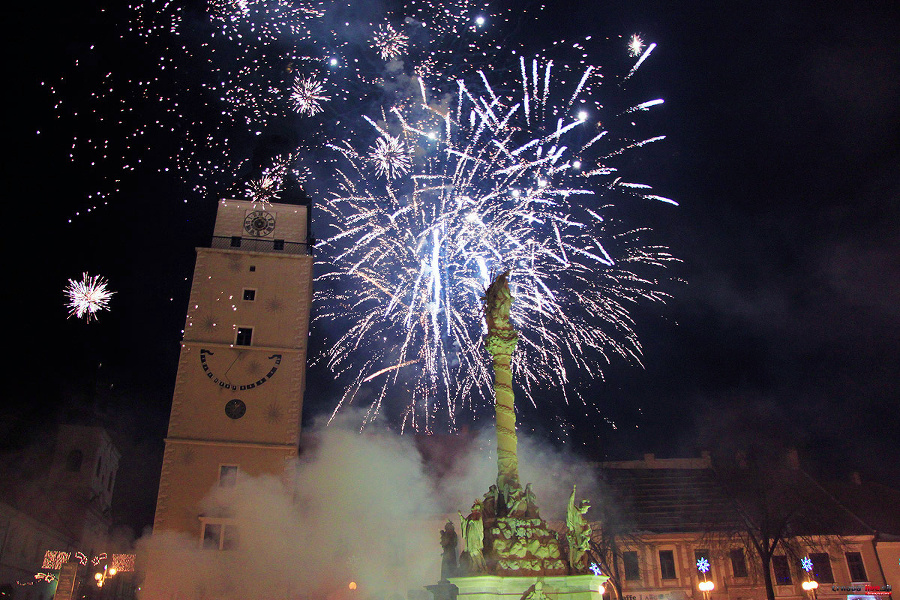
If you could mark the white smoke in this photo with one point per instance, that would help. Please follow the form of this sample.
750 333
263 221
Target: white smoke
363 508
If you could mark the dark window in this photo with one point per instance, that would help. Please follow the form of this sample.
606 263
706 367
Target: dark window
856 566
212 533
235 241
667 564
738 562
228 475
229 537
821 567
632 567
250 295
252 268
244 336
781 569
278 245
99 464
73 461
109 487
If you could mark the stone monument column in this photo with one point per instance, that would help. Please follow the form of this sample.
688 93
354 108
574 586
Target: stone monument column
500 343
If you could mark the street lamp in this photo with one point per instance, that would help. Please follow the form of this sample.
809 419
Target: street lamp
705 586
102 576
810 585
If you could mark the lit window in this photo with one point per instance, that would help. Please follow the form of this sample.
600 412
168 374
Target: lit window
244 336
856 567
667 564
781 569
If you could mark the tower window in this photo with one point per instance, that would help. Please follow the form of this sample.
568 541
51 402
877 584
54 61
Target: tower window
99 465
252 268
667 564
235 241
228 476
244 336
249 295
278 245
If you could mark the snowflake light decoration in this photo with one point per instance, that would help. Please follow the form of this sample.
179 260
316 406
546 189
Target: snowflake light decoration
87 296
595 569
703 565
806 563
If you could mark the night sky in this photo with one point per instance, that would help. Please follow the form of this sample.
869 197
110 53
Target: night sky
783 148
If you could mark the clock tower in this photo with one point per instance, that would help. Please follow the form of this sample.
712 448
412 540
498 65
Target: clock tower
241 376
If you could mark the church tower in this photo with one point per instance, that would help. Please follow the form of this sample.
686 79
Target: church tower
241 376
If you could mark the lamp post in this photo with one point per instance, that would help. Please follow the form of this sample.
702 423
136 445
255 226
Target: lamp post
705 586
810 585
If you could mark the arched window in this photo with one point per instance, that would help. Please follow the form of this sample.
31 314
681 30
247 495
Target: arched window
73 461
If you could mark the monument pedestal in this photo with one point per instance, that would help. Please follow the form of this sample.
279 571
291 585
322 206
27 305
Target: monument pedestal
563 587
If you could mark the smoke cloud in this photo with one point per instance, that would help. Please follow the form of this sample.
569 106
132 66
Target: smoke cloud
362 508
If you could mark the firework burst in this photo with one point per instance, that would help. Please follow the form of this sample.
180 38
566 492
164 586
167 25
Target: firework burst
389 42
495 182
87 297
307 95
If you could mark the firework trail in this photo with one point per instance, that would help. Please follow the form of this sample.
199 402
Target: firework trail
454 191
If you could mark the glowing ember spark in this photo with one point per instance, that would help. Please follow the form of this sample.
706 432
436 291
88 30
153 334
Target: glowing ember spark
88 296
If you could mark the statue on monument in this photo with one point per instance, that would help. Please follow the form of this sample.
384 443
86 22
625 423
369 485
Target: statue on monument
472 529
578 532
449 551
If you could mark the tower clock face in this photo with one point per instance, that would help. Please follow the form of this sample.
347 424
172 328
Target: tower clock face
235 409
259 223
238 370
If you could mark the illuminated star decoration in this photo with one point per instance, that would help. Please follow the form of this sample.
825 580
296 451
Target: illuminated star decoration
703 565
87 296
595 569
806 563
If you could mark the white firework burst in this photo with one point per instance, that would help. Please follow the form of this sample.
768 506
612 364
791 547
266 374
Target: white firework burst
87 296
635 45
389 42
390 157
307 95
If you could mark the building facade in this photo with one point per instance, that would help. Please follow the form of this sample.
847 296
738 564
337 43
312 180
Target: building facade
673 540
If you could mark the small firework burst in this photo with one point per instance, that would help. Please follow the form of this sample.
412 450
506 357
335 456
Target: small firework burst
88 296
635 45
265 189
307 95
389 42
390 157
